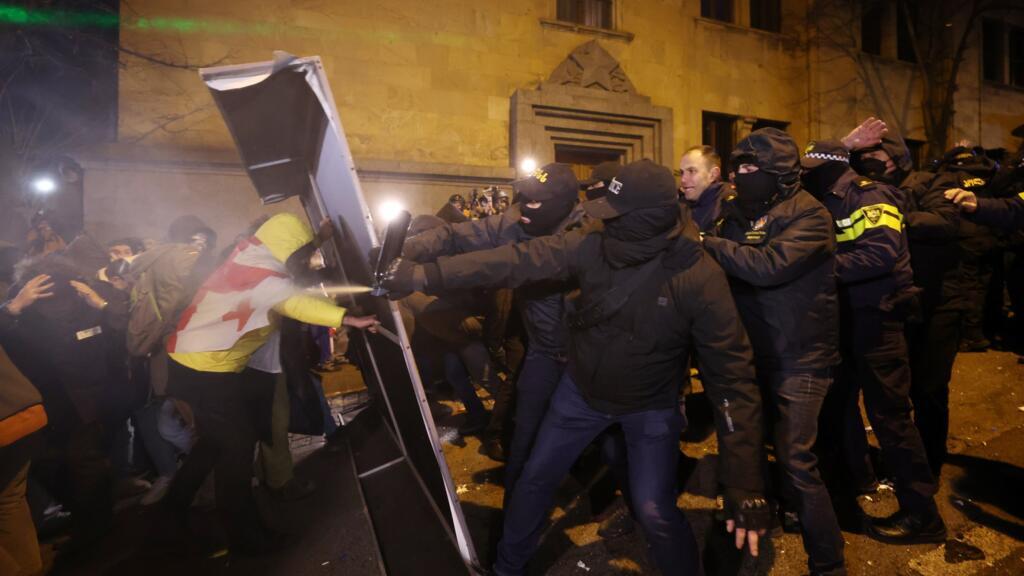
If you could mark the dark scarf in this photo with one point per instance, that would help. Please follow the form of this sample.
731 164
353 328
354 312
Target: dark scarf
638 236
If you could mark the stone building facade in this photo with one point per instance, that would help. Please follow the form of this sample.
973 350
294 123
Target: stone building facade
450 95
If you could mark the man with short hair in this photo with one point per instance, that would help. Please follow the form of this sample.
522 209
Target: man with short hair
125 248
701 185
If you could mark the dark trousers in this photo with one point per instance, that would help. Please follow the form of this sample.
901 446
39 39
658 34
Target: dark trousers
796 402
227 439
652 444
457 376
537 382
76 470
875 358
933 347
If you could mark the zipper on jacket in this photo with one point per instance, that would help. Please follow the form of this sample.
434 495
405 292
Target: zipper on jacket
728 418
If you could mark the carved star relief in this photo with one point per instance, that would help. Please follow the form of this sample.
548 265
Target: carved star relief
595 69
591 66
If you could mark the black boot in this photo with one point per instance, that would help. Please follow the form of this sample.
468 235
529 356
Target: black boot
908 528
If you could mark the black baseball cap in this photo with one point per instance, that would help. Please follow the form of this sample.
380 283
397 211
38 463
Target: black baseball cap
602 174
819 152
550 182
640 184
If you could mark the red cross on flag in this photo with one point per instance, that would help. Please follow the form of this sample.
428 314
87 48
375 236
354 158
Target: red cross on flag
234 300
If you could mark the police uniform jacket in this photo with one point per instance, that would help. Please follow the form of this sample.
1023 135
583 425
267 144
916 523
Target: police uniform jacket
1004 214
638 358
541 303
872 258
781 270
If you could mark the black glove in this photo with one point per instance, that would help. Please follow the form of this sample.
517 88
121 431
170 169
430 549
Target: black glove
404 277
748 509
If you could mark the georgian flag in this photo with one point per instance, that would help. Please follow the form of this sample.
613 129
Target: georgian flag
235 299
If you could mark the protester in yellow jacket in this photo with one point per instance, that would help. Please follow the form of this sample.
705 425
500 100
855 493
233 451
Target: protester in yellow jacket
230 317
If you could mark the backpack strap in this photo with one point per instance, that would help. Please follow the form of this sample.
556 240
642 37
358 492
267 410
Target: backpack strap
612 300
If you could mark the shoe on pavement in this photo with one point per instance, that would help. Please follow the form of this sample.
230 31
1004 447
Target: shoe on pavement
157 491
908 528
474 425
493 449
618 524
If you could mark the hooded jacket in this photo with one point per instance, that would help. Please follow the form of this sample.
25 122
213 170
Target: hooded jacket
782 273
281 235
541 303
638 358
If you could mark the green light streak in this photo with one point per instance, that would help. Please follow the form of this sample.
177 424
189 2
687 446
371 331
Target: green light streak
19 16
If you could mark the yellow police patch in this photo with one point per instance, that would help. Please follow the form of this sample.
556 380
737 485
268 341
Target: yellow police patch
873 214
973 182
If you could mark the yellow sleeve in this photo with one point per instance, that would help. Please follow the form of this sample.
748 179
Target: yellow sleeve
312 310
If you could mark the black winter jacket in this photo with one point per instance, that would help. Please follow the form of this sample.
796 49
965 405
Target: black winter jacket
707 210
933 228
781 270
1004 214
637 358
541 303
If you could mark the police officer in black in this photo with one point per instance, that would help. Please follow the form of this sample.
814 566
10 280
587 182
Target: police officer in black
777 246
933 232
875 289
1001 213
647 292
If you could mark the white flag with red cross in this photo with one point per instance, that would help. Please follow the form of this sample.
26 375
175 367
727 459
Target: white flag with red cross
235 299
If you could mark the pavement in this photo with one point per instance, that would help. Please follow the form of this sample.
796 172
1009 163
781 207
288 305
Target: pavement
980 500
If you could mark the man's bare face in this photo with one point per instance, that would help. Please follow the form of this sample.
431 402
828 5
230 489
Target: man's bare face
882 155
695 175
120 252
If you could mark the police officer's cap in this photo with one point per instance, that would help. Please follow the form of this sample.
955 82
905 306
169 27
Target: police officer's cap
819 152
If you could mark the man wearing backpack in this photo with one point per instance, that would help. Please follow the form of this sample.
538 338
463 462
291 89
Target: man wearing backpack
648 291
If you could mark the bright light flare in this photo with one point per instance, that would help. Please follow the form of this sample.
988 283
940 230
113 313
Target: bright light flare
389 210
528 165
44 185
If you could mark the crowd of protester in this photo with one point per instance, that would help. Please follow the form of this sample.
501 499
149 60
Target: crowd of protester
132 370
795 283
800 281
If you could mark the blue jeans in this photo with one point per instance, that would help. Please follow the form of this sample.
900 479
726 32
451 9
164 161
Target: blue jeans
796 401
652 445
536 383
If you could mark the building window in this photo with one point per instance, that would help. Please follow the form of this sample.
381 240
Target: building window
717 9
1016 56
871 19
904 44
993 53
765 123
916 148
593 13
766 15
719 132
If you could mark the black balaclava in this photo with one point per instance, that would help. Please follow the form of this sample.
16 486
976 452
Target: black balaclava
818 180
545 219
639 235
874 169
755 192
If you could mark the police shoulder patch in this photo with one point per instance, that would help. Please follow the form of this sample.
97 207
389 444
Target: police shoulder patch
873 214
865 183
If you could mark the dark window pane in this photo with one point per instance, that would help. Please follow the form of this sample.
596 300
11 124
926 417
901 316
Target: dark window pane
719 132
904 45
916 148
765 123
993 54
766 15
1017 56
871 19
595 13
717 9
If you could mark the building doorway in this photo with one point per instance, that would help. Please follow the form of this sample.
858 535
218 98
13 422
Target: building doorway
583 158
